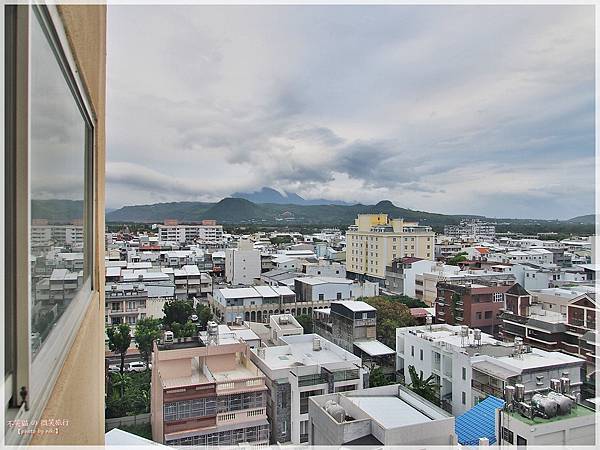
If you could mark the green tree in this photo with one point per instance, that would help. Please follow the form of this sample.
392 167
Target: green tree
409 301
119 339
426 388
306 322
177 311
147 330
459 257
204 315
391 314
377 378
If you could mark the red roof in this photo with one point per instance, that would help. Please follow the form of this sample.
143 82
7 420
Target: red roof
418 312
410 259
483 250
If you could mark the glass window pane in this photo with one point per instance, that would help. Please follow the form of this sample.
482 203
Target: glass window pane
57 160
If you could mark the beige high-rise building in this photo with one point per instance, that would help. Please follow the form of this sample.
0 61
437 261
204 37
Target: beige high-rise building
375 240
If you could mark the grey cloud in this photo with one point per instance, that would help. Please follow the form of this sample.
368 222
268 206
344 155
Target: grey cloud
361 103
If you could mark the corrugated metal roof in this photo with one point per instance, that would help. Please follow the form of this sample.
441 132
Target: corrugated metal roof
478 422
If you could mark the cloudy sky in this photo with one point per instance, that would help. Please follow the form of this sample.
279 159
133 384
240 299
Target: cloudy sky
485 110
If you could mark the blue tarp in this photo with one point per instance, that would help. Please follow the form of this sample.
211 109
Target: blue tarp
478 422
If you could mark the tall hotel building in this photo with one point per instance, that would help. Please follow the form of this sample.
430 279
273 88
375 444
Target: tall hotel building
375 240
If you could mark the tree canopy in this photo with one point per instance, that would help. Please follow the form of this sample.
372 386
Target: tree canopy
306 322
147 330
391 314
426 388
177 311
119 339
459 257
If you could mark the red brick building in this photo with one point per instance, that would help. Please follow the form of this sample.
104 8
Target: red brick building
476 305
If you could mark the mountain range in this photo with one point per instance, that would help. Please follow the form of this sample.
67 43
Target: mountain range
239 211
270 195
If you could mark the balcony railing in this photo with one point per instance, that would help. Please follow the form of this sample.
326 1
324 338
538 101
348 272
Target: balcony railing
241 384
310 380
345 375
486 388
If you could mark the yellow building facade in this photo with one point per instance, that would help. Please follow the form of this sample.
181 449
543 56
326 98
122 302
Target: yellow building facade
375 240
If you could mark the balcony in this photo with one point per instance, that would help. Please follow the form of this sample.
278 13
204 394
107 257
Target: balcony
247 384
311 380
487 389
240 416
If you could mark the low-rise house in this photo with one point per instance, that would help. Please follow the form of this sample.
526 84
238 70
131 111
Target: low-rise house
207 392
469 365
303 366
378 417
254 304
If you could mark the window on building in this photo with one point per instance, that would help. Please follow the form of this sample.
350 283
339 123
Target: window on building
488 314
48 160
464 398
464 373
338 295
507 435
412 350
521 441
421 354
321 296
478 315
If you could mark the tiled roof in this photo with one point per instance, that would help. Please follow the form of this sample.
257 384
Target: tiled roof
478 422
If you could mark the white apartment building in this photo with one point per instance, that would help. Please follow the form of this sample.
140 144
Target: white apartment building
253 304
471 229
375 240
190 282
59 234
304 366
208 236
242 265
313 289
125 303
324 269
533 255
469 365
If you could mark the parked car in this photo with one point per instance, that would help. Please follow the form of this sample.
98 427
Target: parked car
136 366
114 368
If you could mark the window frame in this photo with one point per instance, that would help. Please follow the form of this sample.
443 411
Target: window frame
50 359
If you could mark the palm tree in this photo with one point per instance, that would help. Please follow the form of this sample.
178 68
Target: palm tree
426 388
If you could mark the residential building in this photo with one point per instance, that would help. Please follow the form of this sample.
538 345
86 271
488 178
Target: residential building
283 325
323 289
207 235
352 325
71 235
569 326
551 419
375 240
303 366
378 417
469 365
125 303
242 265
400 276
207 392
533 255
346 323
324 268
471 229
254 303
473 304
190 283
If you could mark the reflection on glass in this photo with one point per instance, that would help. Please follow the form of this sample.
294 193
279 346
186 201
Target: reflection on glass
57 188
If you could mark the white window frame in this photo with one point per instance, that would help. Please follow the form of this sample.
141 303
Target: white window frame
57 345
